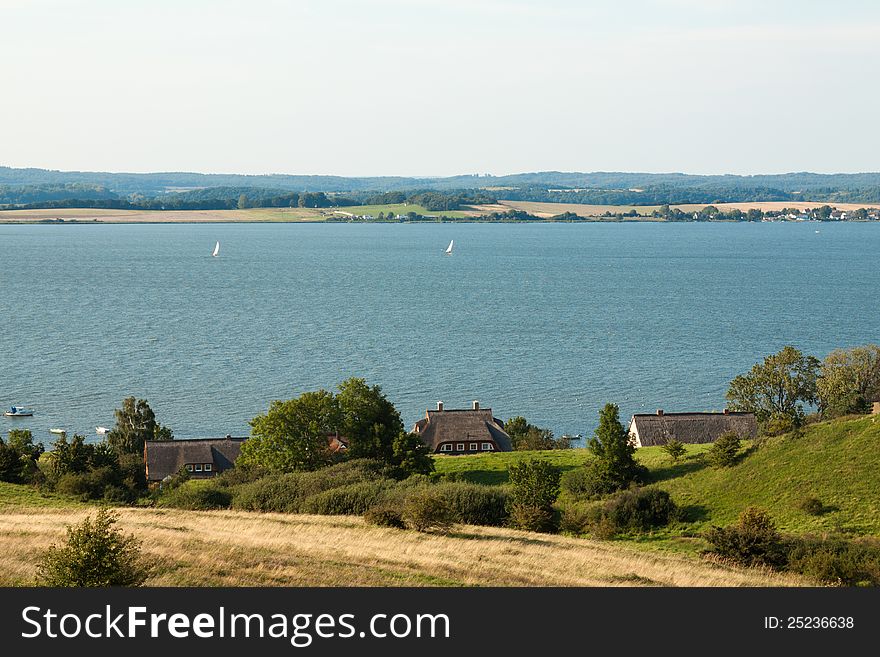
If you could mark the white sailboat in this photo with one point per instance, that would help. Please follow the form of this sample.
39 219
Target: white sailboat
449 248
216 251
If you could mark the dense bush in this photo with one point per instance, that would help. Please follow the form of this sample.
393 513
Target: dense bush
286 493
534 489
752 541
90 485
197 496
578 482
425 510
475 504
275 493
534 518
640 509
18 457
385 515
835 561
724 450
353 499
94 553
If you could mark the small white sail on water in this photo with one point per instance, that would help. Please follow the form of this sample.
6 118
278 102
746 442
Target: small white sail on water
449 248
216 251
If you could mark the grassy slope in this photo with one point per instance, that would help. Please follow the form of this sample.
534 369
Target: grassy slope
232 548
838 462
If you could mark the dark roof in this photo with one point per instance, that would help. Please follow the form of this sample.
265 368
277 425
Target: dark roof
658 429
462 425
167 457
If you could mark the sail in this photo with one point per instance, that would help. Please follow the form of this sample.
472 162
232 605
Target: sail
216 250
449 248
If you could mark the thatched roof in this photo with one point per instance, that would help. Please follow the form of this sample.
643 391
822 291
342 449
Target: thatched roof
659 428
167 457
462 425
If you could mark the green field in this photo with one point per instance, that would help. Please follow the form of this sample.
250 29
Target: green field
837 462
400 208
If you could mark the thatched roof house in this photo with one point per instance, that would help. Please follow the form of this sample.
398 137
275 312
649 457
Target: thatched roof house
462 431
202 458
646 429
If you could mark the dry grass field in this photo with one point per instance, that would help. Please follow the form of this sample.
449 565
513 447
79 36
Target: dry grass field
230 548
550 209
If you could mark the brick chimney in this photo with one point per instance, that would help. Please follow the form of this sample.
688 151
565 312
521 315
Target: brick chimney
476 405
439 405
660 411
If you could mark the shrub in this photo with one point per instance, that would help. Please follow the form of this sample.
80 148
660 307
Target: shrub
534 482
534 489
778 424
578 482
341 474
425 510
752 541
534 518
675 449
811 505
724 450
639 509
89 485
94 553
353 499
385 515
275 493
836 561
197 496
475 504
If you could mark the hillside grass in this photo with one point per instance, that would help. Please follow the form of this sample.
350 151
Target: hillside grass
236 548
18 496
837 462
402 209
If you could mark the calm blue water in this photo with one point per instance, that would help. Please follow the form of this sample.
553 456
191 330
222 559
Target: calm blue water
547 321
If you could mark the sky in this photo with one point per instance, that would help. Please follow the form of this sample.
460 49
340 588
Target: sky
440 87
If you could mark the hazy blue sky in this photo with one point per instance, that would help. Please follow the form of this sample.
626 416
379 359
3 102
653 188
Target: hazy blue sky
439 87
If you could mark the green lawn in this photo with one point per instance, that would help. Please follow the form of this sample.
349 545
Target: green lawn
24 495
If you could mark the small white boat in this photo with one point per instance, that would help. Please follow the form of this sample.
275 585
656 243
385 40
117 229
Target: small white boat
101 430
449 248
216 250
60 432
18 411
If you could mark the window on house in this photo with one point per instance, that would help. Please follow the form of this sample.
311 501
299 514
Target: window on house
208 467
446 447
473 447
189 467
487 447
198 467
459 447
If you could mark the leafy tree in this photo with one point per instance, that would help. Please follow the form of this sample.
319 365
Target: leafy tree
368 420
526 436
293 434
243 202
135 424
18 457
94 553
410 455
535 486
724 450
614 466
777 387
675 449
849 381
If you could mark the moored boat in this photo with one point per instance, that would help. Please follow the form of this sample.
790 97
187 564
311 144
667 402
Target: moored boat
18 411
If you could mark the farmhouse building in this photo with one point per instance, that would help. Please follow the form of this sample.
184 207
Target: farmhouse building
462 431
201 458
647 429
